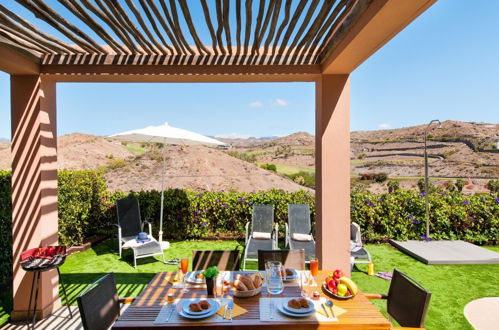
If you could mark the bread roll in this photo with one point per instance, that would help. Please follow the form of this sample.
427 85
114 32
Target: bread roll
293 303
204 304
238 284
257 281
247 281
304 303
195 307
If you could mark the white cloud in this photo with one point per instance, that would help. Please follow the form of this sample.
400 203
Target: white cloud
384 126
281 102
256 104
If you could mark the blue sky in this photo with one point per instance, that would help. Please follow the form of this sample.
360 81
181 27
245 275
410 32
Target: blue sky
444 65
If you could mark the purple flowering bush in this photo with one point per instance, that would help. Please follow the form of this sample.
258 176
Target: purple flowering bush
401 215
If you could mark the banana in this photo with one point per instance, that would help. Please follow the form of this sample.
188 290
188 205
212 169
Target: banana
352 287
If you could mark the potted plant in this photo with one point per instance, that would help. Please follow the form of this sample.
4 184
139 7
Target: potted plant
210 275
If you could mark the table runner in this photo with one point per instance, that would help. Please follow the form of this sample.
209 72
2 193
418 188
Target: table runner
278 316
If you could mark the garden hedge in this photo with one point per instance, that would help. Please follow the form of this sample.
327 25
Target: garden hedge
86 208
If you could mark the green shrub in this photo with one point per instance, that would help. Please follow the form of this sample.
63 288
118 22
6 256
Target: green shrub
307 178
114 164
450 186
460 185
246 156
269 167
493 185
376 177
393 185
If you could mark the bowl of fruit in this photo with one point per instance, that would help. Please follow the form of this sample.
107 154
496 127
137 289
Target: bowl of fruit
339 286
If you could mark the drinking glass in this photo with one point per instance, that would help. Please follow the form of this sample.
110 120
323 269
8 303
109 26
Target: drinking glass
274 271
218 288
314 269
304 283
184 265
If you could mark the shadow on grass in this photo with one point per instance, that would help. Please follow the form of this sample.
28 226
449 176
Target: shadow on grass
128 284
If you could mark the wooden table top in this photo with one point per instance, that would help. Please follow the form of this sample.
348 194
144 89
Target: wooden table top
361 314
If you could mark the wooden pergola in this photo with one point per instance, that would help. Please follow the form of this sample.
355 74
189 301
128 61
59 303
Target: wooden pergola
320 41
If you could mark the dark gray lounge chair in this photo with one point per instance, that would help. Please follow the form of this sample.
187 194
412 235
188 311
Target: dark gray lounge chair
99 304
263 233
289 258
129 226
299 234
407 300
225 260
358 252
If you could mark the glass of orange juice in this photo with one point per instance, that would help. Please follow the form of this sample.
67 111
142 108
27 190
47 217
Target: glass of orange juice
184 265
314 269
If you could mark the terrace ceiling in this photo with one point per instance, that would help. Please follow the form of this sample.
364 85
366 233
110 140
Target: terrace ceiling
178 32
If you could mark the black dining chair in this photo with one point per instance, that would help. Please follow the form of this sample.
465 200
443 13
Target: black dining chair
407 300
223 259
289 258
99 304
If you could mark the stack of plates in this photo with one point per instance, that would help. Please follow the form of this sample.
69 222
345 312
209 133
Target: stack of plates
295 276
186 312
191 277
294 312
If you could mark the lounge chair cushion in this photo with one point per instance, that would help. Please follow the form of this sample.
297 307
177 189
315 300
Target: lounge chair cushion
260 235
301 237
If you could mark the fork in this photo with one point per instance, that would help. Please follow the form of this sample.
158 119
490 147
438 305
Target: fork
172 310
230 306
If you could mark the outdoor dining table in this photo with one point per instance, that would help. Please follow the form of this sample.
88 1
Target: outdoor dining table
359 313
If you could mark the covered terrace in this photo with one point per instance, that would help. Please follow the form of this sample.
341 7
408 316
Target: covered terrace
46 43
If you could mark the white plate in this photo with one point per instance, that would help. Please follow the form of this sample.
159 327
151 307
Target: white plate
310 308
185 311
281 309
190 277
293 277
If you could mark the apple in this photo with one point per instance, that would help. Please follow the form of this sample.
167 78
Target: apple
331 285
342 289
335 291
338 273
348 293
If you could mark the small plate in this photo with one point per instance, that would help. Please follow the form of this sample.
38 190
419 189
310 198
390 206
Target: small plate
281 309
310 308
185 311
190 277
294 277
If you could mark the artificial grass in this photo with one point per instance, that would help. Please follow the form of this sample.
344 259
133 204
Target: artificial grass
452 286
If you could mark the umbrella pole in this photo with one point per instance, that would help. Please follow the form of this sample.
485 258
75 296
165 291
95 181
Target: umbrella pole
162 195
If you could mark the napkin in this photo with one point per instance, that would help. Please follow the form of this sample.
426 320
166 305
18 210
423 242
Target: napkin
236 311
337 311
175 278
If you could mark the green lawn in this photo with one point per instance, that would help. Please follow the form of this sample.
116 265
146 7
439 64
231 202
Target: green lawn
286 169
452 286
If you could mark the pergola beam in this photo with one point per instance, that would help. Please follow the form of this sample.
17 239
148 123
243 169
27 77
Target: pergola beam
12 62
378 23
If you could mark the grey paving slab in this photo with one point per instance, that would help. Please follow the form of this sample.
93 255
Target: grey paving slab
447 252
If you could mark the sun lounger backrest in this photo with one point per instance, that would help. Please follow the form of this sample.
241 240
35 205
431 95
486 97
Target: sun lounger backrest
355 235
129 216
263 218
299 218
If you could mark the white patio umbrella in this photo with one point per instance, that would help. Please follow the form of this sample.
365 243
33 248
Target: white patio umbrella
165 134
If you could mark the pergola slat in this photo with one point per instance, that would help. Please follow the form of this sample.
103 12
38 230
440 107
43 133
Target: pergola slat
75 8
274 32
44 12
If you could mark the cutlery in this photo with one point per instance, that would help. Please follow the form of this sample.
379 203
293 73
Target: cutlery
271 309
329 304
230 307
325 310
225 312
172 310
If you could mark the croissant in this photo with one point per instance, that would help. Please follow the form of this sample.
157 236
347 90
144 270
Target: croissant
238 284
257 281
247 282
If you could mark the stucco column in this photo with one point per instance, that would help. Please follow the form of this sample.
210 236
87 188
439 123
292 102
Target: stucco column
332 152
34 186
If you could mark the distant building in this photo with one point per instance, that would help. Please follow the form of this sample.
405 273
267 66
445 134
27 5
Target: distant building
224 146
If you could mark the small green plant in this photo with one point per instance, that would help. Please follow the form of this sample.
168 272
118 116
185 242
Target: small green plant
246 156
450 186
269 167
493 185
211 272
460 185
449 153
114 164
393 185
361 156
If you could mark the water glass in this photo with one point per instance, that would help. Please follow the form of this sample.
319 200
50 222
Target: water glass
274 271
305 283
218 287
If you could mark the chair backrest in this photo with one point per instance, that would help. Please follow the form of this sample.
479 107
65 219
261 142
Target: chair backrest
407 300
289 258
129 216
299 218
263 218
355 235
223 259
99 305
